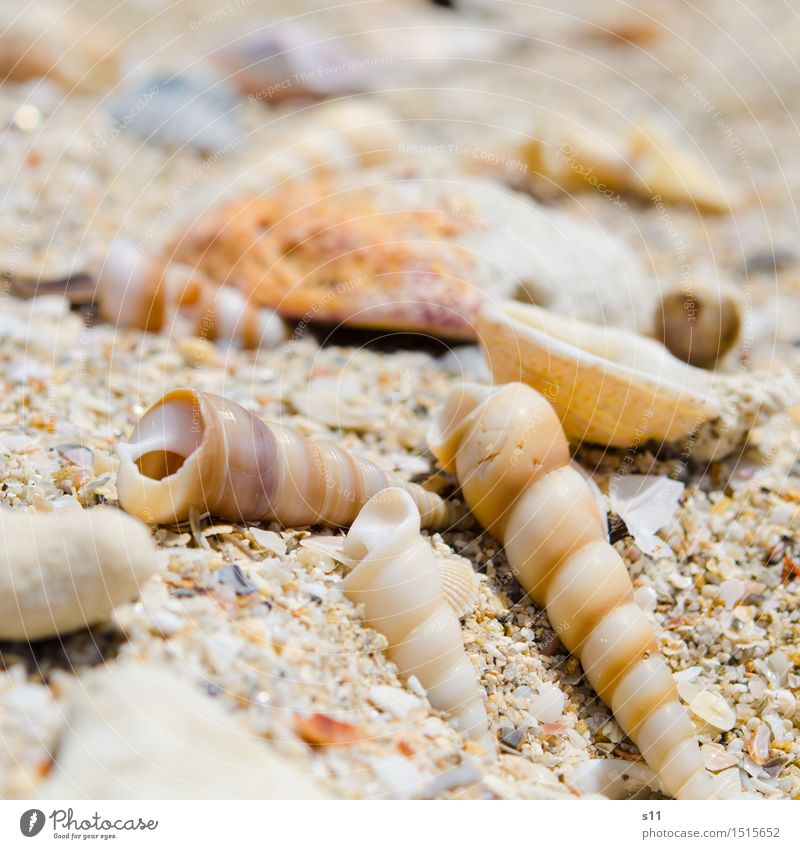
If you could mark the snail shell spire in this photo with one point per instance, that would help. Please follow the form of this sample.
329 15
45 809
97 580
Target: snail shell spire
398 581
511 456
195 449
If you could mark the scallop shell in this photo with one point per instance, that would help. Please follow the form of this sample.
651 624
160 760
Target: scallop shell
459 581
460 585
414 249
608 386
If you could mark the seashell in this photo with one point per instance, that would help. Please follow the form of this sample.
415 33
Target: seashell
717 758
338 401
277 61
645 162
42 41
397 579
459 581
412 250
548 704
145 292
64 570
615 778
139 732
713 709
646 503
459 584
512 460
187 109
699 324
758 744
285 61
197 450
608 386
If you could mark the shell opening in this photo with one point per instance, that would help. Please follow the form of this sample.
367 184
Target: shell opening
389 516
165 438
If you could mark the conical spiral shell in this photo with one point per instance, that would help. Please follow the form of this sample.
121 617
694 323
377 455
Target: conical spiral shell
512 459
398 581
195 449
148 293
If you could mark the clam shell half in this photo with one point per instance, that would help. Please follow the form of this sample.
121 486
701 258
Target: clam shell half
608 386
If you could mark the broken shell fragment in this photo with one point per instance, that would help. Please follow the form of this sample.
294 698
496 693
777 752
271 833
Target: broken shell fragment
65 570
608 386
195 449
287 61
645 162
139 732
40 41
712 708
615 778
398 581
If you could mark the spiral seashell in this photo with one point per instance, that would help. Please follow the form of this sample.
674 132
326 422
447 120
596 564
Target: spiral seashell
608 386
78 52
512 459
195 449
148 293
398 581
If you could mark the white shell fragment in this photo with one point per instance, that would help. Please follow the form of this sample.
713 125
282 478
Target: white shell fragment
613 777
341 402
732 591
137 732
646 503
548 704
68 569
713 709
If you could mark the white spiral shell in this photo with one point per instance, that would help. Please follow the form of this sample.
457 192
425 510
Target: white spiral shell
397 579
